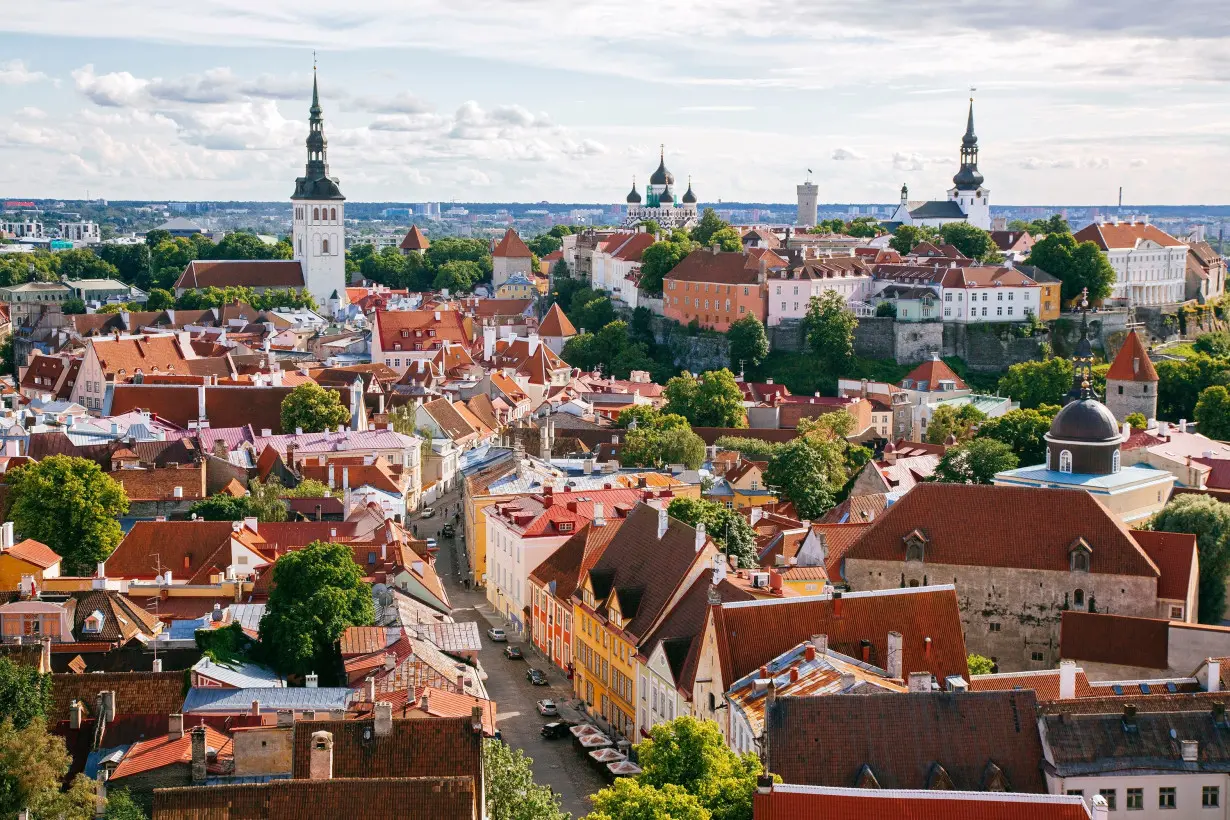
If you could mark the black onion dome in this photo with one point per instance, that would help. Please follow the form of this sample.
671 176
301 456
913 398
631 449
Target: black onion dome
967 178
634 198
662 176
666 195
1085 420
689 198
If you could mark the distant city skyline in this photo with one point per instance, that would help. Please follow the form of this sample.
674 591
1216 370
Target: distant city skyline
545 100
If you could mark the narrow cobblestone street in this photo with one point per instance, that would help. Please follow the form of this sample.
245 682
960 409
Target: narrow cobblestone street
558 763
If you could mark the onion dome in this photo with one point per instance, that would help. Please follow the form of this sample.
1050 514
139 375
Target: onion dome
662 176
634 198
689 198
666 195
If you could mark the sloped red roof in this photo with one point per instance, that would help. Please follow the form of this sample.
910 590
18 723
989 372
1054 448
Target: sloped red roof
164 751
1176 557
33 552
221 273
930 373
512 245
415 240
1132 362
556 323
1108 236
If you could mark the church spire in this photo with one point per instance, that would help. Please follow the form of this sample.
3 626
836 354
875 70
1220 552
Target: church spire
968 177
970 137
316 182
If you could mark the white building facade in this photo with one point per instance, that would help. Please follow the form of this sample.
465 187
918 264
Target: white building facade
318 218
1150 264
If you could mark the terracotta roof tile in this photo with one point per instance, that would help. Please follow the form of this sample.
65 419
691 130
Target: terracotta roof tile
221 273
1176 557
1132 363
929 374
165 751
189 549
1109 236
33 552
512 246
136 693
556 323
410 327
1045 683
575 557
362 640
420 747
902 738
724 268
1098 637
788 802
415 240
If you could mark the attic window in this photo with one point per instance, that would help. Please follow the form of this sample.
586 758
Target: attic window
93 622
1079 556
565 526
405 333
915 546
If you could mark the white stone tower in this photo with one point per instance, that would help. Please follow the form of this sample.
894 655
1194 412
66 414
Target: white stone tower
967 189
809 193
319 217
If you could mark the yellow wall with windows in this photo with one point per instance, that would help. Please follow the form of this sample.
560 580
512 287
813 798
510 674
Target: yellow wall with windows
605 667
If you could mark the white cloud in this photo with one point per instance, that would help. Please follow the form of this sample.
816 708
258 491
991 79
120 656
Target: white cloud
1039 164
15 72
843 154
1138 162
29 112
115 90
916 162
1096 163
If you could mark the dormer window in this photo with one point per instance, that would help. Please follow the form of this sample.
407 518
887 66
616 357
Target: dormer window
405 333
93 622
1079 556
915 546
565 526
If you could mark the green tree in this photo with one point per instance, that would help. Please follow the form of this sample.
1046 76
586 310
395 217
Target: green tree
708 225
864 227
728 529
728 240
121 806
1077 265
317 593
160 299
81 263
458 275
691 754
656 446
1213 344
448 248
1137 421
155 236
971 240
71 505
748 342
979 665
1209 520
545 244
887 309
755 449
906 237
33 764
612 348
1022 430
975 462
650 226
1034 384
1213 412
953 421
220 507
242 245
830 325
72 307
132 262
24 693
659 259
313 409
8 364
803 471
511 791
629 799
713 400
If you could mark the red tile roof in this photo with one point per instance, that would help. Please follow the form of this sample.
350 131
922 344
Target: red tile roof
221 273
33 552
415 798
981 525
512 246
1045 684
790 802
1121 640
191 550
1124 235
409 327
1176 557
415 240
560 513
556 324
751 634
724 268
1132 362
165 751
417 747
929 374
136 693
575 557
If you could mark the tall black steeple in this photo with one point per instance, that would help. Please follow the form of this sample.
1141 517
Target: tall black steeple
968 178
316 182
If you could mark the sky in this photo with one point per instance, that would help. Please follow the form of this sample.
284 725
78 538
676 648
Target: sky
546 100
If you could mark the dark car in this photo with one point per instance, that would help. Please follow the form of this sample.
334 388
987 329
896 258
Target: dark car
557 729
513 653
448 531
536 676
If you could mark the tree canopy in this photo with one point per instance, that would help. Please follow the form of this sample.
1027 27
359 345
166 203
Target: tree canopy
317 593
975 462
1023 430
1209 520
25 694
511 791
612 348
907 236
829 325
953 421
658 439
708 226
313 409
1035 383
1077 265
660 258
749 345
812 469
713 400
72 506
728 529
629 799
971 240
691 754
1213 412
33 764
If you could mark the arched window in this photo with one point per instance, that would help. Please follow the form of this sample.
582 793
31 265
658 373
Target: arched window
1114 462
315 214
1065 461
1078 597
324 245
333 214
1080 561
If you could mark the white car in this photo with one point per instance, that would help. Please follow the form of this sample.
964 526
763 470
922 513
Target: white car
496 634
431 543
427 512
547 708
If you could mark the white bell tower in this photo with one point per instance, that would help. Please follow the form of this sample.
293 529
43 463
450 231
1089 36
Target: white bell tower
319 218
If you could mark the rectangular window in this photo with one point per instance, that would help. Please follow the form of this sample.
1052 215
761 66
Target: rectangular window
1135 799
1166 797
1109 796
1210 797
999 311
1076 792
995 627
1037 656
1009 310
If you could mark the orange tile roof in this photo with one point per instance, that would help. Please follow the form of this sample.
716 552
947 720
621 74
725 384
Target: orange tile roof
362 640
1132 363
415 240
1044 683
33 552
221 273
929 374
724 268
1124 235
556 323
163 751
512 246
1176 557
191 550
410 327
150 354
367 798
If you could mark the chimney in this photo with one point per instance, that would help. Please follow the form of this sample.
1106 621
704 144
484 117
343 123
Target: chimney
821 644
320 765
1191 750
256 708
894 655
108 706
286 718
927 647
156 666
384 719
175 729
1129 717
715 248
836 603
198 754
663 520
1067 680
1098 808
177 492
370 685
1213 668
390 660
700 536
332 479
598 520
6 535
76 712
311 680
809 653
476 720
919 682
720 563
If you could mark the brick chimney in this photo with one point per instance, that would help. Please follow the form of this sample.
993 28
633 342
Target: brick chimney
371 688
894 655
320 764
476 720
175 728
384 719
198 754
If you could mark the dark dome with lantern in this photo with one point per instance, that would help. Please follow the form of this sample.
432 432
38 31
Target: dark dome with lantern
1085 420
662 176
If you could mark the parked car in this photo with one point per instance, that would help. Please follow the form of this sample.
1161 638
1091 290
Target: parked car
536 676
427 512
431 544
556 729
496 634
448 531
513 653
547 708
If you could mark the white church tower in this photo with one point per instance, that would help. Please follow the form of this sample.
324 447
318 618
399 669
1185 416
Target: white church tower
319 218
971 196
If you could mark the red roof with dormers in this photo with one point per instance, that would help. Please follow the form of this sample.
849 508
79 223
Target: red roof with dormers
929 374
512 246
564 513
407 328
1132 362
1110 236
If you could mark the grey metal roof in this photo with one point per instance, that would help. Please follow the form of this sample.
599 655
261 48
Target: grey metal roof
239 675
938 209
271 699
